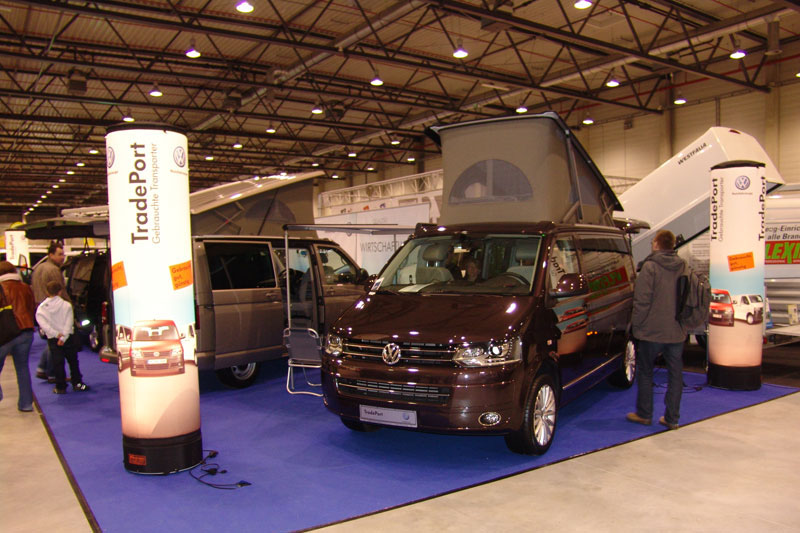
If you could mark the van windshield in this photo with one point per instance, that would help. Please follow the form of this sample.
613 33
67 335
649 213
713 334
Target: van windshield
472 264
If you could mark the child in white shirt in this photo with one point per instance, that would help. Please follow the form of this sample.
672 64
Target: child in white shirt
56 320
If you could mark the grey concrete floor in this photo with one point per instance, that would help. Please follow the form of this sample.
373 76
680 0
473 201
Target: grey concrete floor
736 472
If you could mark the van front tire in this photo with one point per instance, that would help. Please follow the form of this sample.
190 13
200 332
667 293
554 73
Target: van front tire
239 377
539 419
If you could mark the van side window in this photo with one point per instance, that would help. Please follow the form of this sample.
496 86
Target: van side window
605 262
239 265
336 268
563 259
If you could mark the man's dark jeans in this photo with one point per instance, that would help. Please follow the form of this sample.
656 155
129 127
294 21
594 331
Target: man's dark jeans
646 353
69 352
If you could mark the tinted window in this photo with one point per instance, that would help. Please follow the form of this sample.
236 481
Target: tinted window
605 261
563 259
336 267
239 265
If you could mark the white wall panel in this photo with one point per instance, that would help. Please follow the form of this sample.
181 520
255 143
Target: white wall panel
691 122
745 113
788 160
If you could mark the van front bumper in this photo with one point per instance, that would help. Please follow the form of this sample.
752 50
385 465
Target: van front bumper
444 399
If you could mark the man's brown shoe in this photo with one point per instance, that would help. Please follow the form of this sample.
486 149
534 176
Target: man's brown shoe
633 417
663 422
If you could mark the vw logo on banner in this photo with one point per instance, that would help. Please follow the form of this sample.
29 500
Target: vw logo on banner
391 354
742 182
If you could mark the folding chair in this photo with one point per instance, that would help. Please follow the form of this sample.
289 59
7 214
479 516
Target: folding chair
304 347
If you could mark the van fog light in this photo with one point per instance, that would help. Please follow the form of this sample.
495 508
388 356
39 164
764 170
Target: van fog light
489 419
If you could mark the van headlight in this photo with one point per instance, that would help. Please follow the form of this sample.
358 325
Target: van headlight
333 345
489 354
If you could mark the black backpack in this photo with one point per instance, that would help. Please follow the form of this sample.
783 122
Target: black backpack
694 300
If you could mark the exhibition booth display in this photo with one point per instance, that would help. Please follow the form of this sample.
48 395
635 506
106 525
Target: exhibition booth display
151 271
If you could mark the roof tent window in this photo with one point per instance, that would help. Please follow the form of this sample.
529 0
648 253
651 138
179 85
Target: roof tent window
491 180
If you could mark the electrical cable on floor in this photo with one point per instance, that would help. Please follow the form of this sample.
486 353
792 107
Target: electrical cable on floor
212 469
688 389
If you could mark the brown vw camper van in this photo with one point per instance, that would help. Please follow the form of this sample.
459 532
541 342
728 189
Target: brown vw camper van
485 328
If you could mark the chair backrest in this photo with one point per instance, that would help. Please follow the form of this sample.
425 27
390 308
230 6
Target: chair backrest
523 255
432 274
304 345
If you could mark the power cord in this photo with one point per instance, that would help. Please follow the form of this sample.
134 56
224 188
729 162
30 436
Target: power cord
207 469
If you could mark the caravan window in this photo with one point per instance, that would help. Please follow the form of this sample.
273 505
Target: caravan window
493 180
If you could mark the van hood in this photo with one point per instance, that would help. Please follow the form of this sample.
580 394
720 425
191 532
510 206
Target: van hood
435 318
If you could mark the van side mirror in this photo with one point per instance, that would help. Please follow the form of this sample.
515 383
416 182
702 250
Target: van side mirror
570 285
369 280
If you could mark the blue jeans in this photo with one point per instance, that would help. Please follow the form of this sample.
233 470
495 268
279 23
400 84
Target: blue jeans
20 347
646 353
46 361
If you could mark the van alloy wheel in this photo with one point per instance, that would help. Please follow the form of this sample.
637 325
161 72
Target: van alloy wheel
544 415
538 419
624 375
240 376
750 318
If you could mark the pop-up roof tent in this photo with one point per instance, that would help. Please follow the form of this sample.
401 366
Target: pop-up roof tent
520 169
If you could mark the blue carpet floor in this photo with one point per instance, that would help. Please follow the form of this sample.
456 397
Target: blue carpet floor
305 467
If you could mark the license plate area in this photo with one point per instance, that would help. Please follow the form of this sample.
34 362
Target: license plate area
156 361
387 416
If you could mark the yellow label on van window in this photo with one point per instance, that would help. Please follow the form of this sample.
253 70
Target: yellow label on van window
741 262
118 279
181 275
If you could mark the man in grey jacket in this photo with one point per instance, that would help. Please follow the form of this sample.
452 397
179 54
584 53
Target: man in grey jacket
655 301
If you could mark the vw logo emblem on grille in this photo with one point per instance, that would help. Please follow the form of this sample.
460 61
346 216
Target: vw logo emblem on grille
391 354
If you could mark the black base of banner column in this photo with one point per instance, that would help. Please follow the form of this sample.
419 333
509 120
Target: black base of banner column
734 377
163 456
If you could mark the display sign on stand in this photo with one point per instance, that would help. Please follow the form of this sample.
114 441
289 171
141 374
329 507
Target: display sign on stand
17 248
737 235
151 256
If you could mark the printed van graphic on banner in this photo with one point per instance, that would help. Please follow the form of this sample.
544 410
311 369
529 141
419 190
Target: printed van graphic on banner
737 236
151 273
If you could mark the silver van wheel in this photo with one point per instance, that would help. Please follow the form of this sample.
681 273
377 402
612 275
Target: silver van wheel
624 375
539 419
240 376
544 415
750 318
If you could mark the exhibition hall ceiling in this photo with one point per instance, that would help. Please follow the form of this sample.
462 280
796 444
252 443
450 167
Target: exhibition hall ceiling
347 86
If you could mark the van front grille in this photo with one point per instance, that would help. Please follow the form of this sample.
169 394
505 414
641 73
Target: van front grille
393 391
411 353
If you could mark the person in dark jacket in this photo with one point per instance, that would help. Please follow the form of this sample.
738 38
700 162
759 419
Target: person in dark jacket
43 273
19 295
657 330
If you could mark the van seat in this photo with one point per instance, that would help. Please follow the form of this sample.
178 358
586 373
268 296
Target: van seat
433 274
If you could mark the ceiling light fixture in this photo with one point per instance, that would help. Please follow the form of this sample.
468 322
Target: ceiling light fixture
460 52
679 100
588 120
80 164
48 192
317 109
521 109
271 129
335 176
582 4
209 158
351 154
62 180
244 7
738 52
155 91
612 81
55 186
94 151
70 172
43 196
411 159
314 164
370 168
192 52
376 80
237 146
395 142
127 117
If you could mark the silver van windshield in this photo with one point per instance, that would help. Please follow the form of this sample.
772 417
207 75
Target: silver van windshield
471 264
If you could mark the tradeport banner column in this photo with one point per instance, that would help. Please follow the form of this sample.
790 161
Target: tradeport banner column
737 232
151 277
